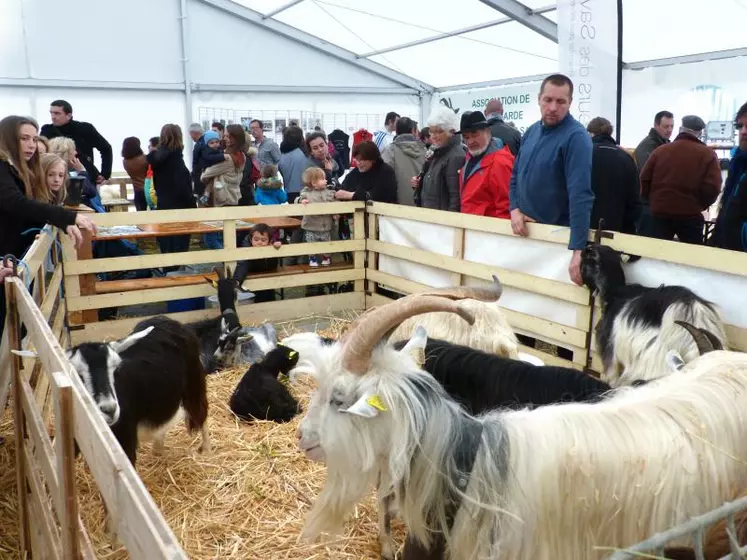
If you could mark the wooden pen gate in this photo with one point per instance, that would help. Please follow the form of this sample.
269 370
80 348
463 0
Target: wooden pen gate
401 249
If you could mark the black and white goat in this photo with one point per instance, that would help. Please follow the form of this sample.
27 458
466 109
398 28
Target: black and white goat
637 328
142 382
556 481
260 395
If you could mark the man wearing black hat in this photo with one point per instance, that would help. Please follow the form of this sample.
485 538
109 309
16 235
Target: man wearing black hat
484 179
680 180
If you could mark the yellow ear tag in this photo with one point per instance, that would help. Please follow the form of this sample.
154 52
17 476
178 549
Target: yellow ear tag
292 354
419 356
376 402
215 284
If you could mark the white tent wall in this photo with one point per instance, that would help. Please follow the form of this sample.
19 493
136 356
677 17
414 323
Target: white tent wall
130 80
712 89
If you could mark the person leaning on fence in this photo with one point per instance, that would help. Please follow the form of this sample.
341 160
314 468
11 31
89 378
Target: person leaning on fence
316 228
21 189
551 180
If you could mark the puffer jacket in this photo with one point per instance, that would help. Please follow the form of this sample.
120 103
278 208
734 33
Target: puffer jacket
440 188
406 155
226 180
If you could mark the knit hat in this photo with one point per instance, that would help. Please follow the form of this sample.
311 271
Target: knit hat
693 123
210 135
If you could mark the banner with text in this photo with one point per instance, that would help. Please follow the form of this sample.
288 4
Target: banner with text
590 51
519 102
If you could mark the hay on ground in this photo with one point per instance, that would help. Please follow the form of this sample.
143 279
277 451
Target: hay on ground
247 499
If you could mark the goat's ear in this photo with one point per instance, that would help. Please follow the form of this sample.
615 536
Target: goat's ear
368 406
212 282
244 338
122 345
415 347
629 259
674 361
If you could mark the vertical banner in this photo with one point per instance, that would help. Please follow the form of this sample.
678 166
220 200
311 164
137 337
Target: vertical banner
590 54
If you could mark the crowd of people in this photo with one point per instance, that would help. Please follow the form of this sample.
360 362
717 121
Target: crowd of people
557 173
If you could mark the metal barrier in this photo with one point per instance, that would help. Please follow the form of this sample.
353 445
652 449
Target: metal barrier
696 527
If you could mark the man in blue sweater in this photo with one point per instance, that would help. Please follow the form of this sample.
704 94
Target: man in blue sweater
551 180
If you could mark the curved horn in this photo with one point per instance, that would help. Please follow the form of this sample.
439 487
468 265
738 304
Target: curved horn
493 293
360 342
702 340
220 272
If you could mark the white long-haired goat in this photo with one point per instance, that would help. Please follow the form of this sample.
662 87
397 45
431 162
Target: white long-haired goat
490 332
548 483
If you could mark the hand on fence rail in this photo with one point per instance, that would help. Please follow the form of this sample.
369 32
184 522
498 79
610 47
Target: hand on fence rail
5 271
81 222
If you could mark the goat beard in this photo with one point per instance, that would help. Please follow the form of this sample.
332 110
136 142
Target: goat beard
339 497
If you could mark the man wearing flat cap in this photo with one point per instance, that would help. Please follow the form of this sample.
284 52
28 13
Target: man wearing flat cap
484 179
680 180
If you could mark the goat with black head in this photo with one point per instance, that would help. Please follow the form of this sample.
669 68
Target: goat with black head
141 382
214 333
260 395
637 329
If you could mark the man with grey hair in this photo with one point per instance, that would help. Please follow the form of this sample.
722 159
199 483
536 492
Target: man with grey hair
196 132
681 180
508 135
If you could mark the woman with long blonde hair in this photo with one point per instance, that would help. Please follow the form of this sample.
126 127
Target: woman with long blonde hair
22 192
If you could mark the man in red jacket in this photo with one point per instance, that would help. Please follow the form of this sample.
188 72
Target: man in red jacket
485 177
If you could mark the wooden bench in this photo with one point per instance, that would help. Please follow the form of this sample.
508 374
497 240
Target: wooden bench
131 285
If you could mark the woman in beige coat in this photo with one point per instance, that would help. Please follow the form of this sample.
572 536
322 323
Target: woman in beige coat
223 180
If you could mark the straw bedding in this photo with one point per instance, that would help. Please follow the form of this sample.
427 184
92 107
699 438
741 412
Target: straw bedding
246 500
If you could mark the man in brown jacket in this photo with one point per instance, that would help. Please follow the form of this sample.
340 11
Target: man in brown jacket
680 180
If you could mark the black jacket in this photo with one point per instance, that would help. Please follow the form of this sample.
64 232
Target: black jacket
614 179
18 213
341 142
648 145
378 183
510 136
172 180
86 138
198 166
440 184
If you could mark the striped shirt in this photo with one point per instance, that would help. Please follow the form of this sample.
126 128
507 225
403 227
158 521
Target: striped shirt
382 139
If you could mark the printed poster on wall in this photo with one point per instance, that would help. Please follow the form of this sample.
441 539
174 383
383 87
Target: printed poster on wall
519 102
590 53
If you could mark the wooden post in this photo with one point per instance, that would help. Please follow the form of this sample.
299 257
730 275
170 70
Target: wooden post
373 260
85 284
65 453
19 422
359 257
458 253
229 240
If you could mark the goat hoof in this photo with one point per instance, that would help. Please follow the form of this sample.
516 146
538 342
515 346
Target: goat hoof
387 551
205 448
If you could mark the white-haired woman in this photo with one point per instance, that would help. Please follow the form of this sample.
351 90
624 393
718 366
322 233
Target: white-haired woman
437 186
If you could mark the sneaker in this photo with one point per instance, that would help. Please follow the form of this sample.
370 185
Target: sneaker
313 263
326 261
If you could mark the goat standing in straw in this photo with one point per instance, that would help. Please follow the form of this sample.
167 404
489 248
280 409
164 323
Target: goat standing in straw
549 483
